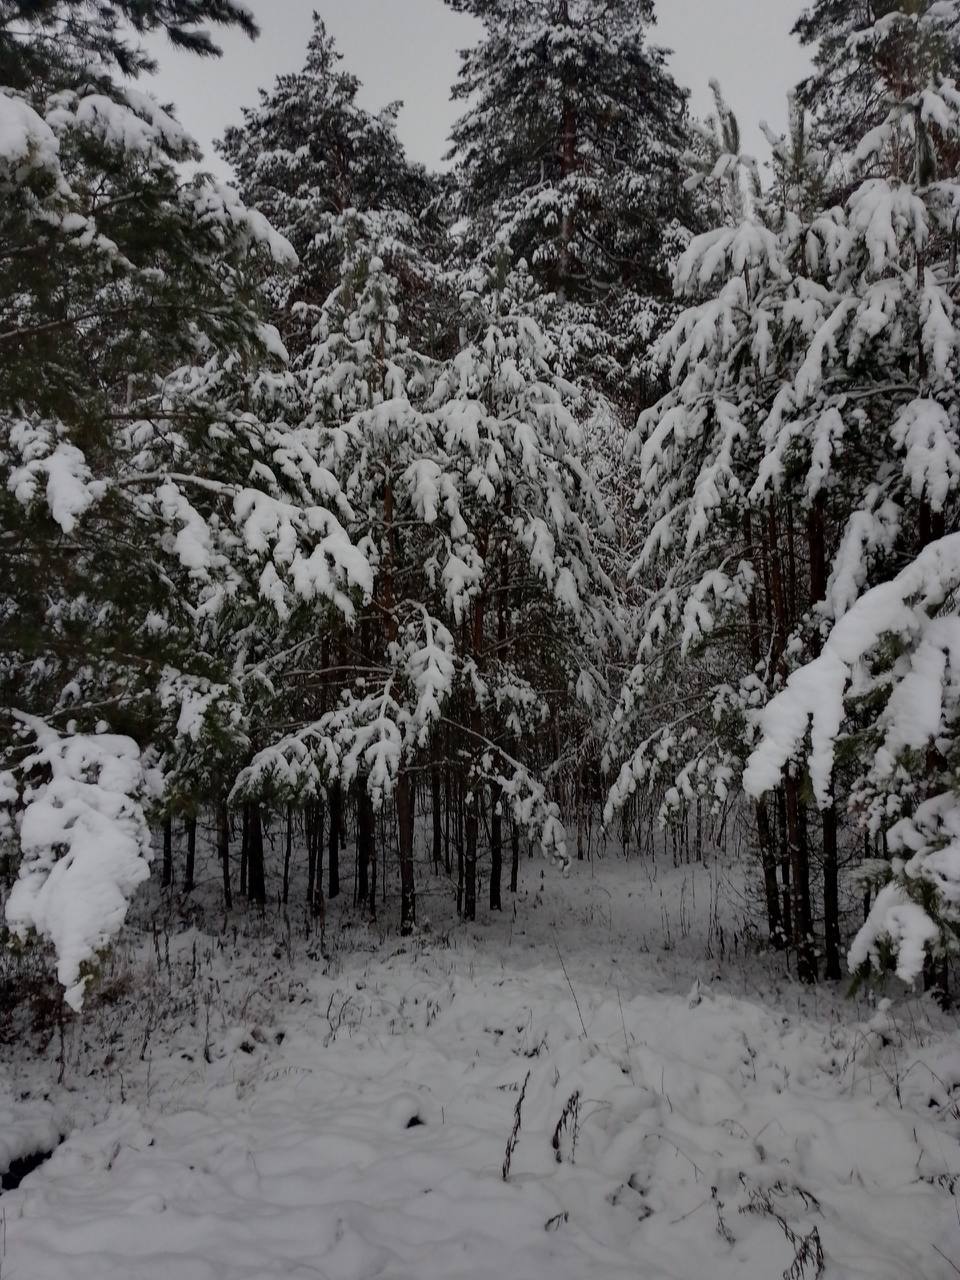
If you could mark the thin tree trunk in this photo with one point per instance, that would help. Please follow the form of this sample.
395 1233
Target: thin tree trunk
372 865
405 822
316 900
189 871
514 857
311 836
461 839
472 824
244 850
366 851
223 840
787 897
335 795
800 884
255 877
831 894
496 850
166 875
287 852
817 544
568 163
436 815
447 806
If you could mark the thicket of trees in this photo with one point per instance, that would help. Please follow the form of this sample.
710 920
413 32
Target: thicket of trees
607 472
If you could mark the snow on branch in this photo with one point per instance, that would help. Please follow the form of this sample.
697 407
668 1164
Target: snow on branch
814 696
78 807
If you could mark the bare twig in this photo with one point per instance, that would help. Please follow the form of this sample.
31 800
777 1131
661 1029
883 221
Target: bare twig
515 1131
570 985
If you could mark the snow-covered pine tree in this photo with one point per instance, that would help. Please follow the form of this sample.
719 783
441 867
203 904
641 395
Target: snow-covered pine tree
808 451
489 607
306 154
130 515
868 55
728 576
523 572
880 698
570 151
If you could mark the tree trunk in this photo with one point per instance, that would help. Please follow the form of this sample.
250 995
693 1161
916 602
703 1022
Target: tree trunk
333 849
366 851
223 840
189 871
310 833
461 837
472 825
166 875
496 850
436 815
447 806
786 899
514 857
831 894
255 873
315 821
244 850
287 852
405 823
800 884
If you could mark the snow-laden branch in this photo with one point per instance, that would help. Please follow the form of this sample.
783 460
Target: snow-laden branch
78 810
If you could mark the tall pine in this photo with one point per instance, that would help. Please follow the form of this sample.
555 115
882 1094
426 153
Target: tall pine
569 152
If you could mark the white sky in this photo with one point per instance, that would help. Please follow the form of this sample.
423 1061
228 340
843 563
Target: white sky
408 49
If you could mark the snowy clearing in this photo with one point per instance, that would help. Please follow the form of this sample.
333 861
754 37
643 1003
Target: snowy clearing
353 1118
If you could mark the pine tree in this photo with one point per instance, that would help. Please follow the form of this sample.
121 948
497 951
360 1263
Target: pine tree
152 501
867 55
307 154
807 451
570 152
727 516
879 697
469 496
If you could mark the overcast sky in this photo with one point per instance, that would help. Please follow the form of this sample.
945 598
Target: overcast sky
408 49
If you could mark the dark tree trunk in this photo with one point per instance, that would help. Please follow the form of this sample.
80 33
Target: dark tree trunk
320 818
314 821
256 881
311 837
496 851
568 162
831 894
333 848
514 857
405 824
287 851
366 851
244 850
372 864
447 808
458 840
437 815
472 825
800 885
189 871
785 887
166 874
223 841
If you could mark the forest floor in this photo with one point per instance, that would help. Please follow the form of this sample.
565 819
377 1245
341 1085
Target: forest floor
605 1080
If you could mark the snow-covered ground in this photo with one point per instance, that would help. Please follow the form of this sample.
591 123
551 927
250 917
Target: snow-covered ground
242 1104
